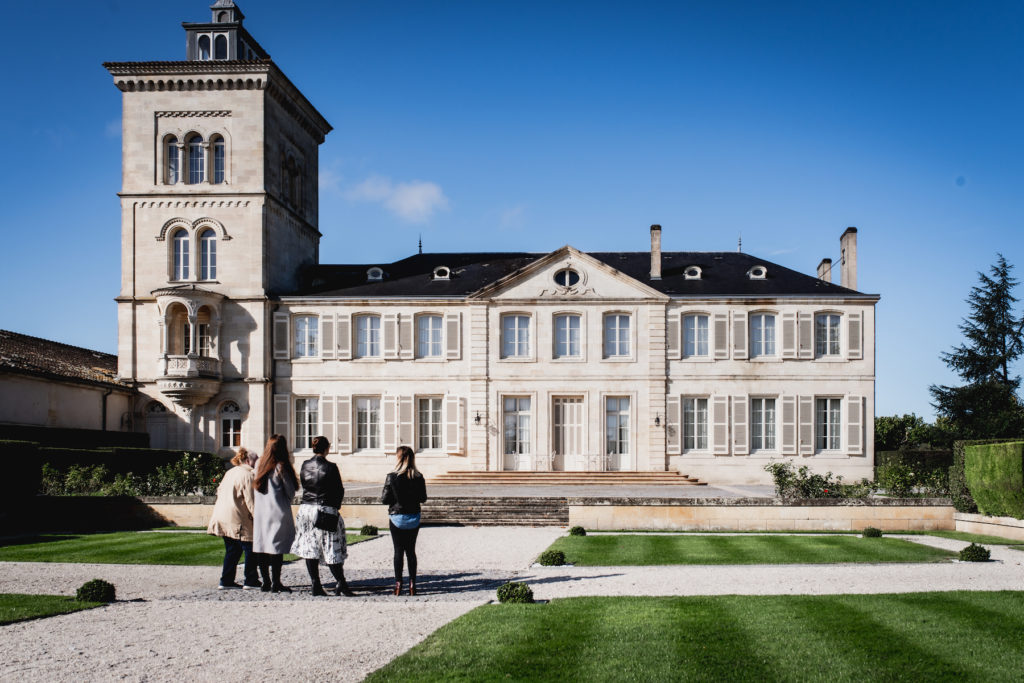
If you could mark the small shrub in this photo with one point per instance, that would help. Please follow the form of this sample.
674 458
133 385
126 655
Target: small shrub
871 532
96 590
551 558
577 531
975 553
800 483
368 530
515 591
897 478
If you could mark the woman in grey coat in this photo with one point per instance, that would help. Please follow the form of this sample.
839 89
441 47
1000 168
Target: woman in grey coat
273 527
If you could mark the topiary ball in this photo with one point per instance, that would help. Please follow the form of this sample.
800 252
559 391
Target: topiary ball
368 530
577 531
515 591
96 590
871 532
551 558
975 553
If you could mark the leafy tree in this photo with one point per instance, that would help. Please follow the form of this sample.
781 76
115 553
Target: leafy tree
988 405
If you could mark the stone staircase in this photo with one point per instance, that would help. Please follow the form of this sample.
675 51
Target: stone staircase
476 478
510 511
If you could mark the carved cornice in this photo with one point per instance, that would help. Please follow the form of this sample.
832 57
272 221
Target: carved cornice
205 220
195 204
194 114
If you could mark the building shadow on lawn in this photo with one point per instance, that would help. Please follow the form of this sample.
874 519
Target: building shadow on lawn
36 538
459 582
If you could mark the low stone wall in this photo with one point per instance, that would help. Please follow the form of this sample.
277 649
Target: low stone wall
196 511
760 514
1005 527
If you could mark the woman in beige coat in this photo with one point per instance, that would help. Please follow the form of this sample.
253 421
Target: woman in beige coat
232 520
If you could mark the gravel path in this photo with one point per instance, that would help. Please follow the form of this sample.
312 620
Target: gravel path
171 623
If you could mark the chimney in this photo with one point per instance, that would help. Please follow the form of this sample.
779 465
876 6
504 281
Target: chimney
655 252
825 270
848 258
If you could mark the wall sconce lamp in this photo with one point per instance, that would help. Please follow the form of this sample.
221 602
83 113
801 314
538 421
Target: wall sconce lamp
657 420
476 420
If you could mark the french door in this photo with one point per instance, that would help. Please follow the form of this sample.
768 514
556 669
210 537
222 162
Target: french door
567 433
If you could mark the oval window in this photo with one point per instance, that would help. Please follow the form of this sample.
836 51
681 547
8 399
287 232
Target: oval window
567 277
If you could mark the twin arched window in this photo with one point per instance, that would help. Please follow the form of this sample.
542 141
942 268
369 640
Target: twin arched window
191 156
181 254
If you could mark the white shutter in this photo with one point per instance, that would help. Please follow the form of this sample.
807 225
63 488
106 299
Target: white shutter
327 420
405 337
721 335
451 424
390 323
720 425
789 425
452 336
806 425
328 348
854 425
406 413
789 335
344 421
389 424
806 336
854 338
281 321
282 405
672 431
739 335
343 340
672 340
740 436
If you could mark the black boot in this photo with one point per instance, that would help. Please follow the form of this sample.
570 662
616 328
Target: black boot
263 563
275 574
339 575
313 567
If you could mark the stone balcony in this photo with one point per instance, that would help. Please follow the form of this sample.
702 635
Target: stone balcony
189 380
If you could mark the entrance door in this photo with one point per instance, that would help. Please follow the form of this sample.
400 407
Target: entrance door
616 439
567 433
516 438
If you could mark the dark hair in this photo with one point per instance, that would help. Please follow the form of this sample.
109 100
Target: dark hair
321 445
406 462
274 458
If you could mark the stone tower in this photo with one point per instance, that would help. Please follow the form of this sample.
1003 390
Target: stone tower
219 214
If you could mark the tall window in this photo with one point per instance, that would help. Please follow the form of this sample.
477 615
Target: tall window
616 335
196 160
428 336
179 244
695 336
220 46
516 414
204 47
307 421
367 423
429 423
208 255
616 422
762 424
826 335
218 160
173 163
203 339
230 425
307 333
515 336
367 336
826 424
186 337
567 336
695 424
762 335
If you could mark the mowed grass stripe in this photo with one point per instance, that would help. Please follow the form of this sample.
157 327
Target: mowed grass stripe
20 607
635 550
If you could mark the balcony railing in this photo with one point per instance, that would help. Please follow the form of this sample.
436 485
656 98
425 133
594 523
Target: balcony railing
192 366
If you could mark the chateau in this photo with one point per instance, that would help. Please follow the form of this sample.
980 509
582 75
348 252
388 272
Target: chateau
705 363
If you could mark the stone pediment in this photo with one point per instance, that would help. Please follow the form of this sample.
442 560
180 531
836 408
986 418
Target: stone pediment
568 274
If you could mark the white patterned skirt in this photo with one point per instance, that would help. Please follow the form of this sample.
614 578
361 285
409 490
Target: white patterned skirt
311 543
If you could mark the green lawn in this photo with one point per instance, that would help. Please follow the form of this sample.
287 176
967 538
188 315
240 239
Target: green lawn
974 636
624 549
971 538
124 547
19 607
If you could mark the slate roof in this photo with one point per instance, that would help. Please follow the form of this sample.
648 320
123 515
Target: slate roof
722 274
25 355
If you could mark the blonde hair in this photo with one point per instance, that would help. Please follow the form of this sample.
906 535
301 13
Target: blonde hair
406 462
241 457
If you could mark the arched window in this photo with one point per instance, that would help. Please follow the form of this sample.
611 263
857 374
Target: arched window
196 160
208 255
220 47
173 165
179 245
204 47
204 341
179 341
218 160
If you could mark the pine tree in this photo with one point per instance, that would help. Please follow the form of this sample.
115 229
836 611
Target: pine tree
988 405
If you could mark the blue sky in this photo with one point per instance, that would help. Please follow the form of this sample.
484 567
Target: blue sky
529 125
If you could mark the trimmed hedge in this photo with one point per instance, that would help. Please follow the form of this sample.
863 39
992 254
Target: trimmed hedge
958 491
926 461
995 477
63 437
20 459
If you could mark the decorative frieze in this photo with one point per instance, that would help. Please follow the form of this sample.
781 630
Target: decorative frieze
192 114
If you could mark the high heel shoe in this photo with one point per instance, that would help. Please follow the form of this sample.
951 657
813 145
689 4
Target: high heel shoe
398 587
412 586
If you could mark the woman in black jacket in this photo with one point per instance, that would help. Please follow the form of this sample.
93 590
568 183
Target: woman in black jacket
319 528
404 490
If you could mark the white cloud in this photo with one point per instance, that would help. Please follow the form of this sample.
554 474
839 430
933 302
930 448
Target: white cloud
414 201
328 180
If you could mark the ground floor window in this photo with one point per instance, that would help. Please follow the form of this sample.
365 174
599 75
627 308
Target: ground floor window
826 424
762 424
695 424
616 421
230 425
367 423
516 412
307 421
428 422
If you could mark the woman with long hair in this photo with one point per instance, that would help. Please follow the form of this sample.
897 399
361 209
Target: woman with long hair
273 527
319 527
404 490
232 520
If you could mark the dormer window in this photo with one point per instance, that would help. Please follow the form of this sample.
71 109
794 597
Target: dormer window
692 273
757 273
442 273
567 277
374 274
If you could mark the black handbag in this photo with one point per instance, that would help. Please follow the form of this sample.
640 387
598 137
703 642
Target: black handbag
326 521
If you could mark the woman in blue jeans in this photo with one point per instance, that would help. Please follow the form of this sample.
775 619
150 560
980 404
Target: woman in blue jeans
232 520
404 490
